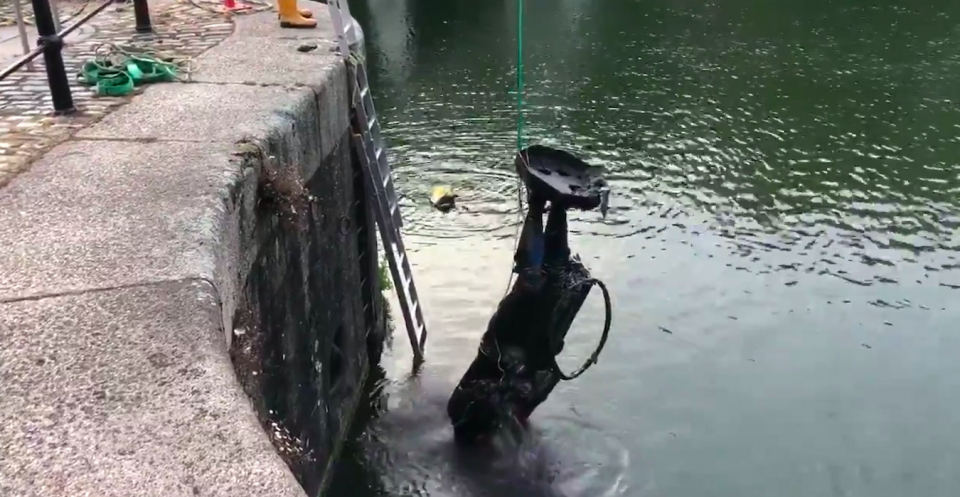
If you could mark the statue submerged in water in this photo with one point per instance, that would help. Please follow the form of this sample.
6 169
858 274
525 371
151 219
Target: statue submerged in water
515 369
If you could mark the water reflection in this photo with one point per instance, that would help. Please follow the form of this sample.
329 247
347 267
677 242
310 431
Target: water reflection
783 249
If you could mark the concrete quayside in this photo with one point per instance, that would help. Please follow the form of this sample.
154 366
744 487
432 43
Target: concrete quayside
189 291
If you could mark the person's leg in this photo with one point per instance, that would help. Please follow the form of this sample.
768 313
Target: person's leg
556 242
566 286
529 256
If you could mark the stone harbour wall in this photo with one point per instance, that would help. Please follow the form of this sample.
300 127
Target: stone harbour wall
311 318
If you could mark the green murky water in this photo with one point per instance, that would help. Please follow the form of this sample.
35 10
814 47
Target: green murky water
783 249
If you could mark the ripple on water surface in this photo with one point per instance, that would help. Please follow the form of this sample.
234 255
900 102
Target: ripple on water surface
822 165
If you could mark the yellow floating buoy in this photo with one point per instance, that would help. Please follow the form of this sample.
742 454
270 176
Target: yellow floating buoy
443 198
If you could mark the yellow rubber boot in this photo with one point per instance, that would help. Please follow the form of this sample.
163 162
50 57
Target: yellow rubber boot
303 12
290 16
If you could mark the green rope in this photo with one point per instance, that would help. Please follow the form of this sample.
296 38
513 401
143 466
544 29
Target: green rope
116 69
516 236
519 75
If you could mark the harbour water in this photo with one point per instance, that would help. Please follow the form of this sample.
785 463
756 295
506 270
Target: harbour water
783 246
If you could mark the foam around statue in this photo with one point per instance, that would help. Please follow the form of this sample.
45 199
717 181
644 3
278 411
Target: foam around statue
515 369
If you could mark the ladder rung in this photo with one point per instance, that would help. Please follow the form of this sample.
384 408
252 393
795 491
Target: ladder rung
364 92
372 122
398 254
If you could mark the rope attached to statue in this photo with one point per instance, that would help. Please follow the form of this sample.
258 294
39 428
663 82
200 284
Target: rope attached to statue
522 153
516 235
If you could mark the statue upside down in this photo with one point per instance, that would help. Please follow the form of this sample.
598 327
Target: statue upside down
515 369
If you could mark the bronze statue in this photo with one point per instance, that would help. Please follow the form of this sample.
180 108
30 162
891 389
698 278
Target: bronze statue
515 368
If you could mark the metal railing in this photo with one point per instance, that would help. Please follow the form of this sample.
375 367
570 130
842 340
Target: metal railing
50 45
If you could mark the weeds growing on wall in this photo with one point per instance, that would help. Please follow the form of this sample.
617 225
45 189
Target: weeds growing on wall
385 282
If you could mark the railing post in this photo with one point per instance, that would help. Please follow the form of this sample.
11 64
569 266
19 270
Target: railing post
53 57
142 12
18 13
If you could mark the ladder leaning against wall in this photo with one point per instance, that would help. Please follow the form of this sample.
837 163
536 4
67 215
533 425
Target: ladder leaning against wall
368 142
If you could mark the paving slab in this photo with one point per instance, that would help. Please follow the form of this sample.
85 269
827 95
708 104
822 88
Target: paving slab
128 392
279 62
202 113
90 216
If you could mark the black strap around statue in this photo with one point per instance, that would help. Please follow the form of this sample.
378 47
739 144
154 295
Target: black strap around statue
608 309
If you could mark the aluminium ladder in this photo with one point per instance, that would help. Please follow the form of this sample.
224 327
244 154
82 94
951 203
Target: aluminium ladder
378 175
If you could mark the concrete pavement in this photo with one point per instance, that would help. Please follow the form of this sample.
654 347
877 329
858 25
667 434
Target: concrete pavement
125 251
